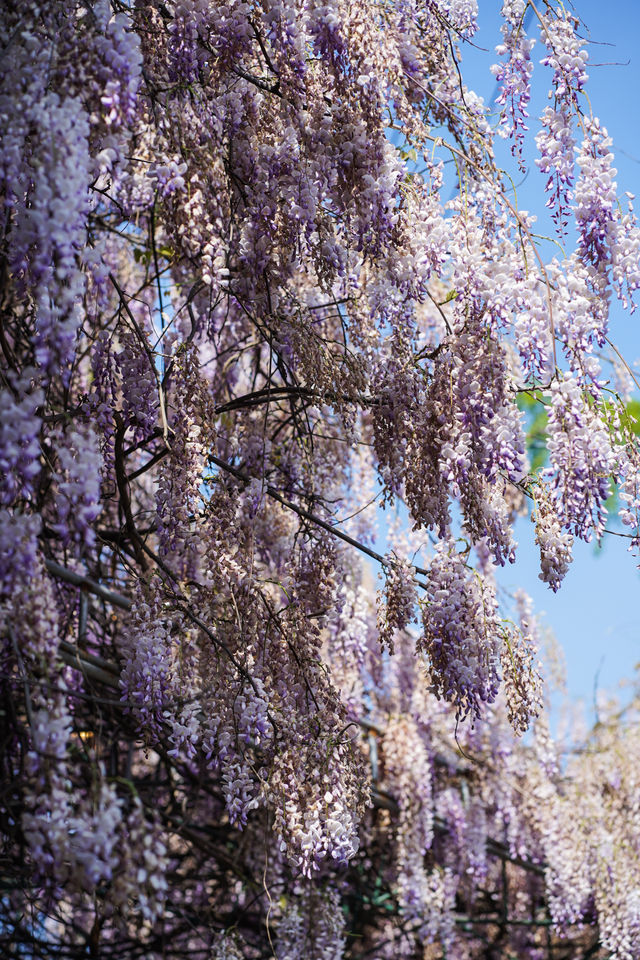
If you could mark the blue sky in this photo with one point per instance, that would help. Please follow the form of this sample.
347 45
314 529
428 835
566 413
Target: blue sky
596 614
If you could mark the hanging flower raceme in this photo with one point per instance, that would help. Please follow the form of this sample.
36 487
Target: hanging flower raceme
556 545
565 55
556 145
582 459
409 778
312 927
261 275
514 75
396 604
595 199
78 485
50 233
19 434
521 679
461 633
316 793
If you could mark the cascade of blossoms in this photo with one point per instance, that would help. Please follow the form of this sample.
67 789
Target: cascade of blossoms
243 315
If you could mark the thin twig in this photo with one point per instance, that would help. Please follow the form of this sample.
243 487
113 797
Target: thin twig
307 515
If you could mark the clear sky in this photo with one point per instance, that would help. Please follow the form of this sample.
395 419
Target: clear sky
596 614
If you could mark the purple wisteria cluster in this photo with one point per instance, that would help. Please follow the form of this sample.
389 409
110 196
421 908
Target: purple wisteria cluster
556 146
461 636
251 346
514 74
556 545
583 460
396 603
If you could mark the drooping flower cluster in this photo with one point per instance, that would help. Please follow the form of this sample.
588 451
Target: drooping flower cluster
19 433
595 198
396 605
77 482
521 669
556 145
514 75
565 56
409 776
556 545
50 232
238 313
461 638
582 457
312 927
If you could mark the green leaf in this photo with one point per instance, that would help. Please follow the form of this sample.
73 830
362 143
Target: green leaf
633 414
